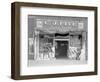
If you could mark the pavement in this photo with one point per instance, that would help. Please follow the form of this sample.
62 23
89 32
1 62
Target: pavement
56 62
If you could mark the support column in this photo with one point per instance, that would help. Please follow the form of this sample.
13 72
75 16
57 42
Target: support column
36 45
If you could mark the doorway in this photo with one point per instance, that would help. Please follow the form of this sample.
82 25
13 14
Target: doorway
61 49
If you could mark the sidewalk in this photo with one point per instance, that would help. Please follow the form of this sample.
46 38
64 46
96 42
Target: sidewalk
55 62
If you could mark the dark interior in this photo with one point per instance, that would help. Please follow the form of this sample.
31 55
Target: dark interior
61 49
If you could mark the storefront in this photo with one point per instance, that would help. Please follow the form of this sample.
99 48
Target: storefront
59 38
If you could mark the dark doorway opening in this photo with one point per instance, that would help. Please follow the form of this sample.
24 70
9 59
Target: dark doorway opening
61 49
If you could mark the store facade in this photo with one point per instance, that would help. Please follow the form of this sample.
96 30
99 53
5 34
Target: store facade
56 37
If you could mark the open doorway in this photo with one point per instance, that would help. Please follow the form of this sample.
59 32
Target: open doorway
61 49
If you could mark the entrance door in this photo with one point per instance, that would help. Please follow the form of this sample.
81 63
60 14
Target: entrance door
61 49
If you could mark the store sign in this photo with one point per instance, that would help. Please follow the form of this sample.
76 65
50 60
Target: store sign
39 23
59 25
56 22
80 25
